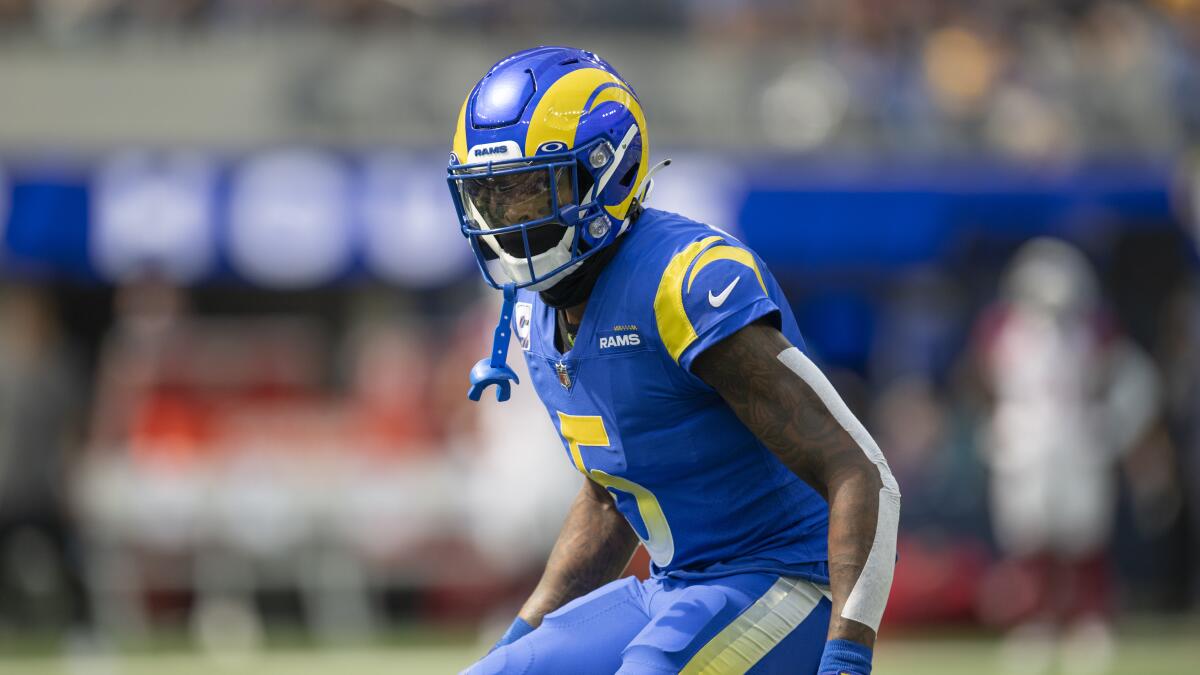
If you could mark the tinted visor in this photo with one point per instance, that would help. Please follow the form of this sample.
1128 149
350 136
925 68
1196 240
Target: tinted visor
515 198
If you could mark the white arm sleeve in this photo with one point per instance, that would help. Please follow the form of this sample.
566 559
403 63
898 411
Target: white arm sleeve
870 593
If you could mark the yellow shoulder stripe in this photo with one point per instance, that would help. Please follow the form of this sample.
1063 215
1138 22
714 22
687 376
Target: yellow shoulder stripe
738 255
674 327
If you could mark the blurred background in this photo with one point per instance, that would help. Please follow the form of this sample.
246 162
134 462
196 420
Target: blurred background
236 316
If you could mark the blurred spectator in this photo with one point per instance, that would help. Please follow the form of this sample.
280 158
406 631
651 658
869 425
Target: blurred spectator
391 379
1180 333
14 12
1035 80
930 451
943 551
1070 397
40 405
143 351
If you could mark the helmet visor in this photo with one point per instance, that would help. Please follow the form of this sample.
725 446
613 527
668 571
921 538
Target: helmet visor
510 199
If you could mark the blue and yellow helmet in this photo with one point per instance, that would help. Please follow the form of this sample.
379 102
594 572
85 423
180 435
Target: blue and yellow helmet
550 160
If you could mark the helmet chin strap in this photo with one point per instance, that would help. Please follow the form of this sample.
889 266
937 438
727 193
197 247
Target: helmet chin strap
576 287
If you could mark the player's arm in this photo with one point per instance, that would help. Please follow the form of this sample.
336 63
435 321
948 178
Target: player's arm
593 548
782 397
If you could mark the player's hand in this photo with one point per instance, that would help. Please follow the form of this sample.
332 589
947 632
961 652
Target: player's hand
843 657
519 629
492 662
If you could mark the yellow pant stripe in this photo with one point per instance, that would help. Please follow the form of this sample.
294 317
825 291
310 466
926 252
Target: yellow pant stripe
757 630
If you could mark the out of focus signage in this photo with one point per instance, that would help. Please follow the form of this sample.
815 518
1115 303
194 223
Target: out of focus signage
288 219
3 210
410 231
153 214
302 218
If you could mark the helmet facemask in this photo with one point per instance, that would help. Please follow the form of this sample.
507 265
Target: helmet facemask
524 219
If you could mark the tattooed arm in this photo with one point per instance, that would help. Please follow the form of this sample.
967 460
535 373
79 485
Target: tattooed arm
787 412
593 548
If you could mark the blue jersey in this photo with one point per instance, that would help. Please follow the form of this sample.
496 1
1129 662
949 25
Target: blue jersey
705 497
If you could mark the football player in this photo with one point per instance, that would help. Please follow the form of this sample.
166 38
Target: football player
671 365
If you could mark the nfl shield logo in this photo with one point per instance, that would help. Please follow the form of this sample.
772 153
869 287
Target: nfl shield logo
564 377
521 320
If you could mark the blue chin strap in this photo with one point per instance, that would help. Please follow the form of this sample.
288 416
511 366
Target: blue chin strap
494 369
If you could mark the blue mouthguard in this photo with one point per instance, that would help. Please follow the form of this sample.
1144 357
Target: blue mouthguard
494 369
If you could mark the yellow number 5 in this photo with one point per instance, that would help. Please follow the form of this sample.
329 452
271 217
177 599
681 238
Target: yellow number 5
580 430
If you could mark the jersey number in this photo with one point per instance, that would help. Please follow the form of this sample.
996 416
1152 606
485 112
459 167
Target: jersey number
580 430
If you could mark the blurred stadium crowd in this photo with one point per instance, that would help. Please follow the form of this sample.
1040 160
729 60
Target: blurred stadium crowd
227 453
1020 77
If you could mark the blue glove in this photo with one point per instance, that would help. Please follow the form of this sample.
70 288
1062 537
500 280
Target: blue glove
519 629
843 657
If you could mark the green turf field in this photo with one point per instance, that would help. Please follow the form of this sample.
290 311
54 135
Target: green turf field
1167 653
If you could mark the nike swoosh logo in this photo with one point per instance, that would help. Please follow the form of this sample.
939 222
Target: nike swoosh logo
718 300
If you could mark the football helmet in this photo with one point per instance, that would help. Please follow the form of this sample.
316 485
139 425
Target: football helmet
550 161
